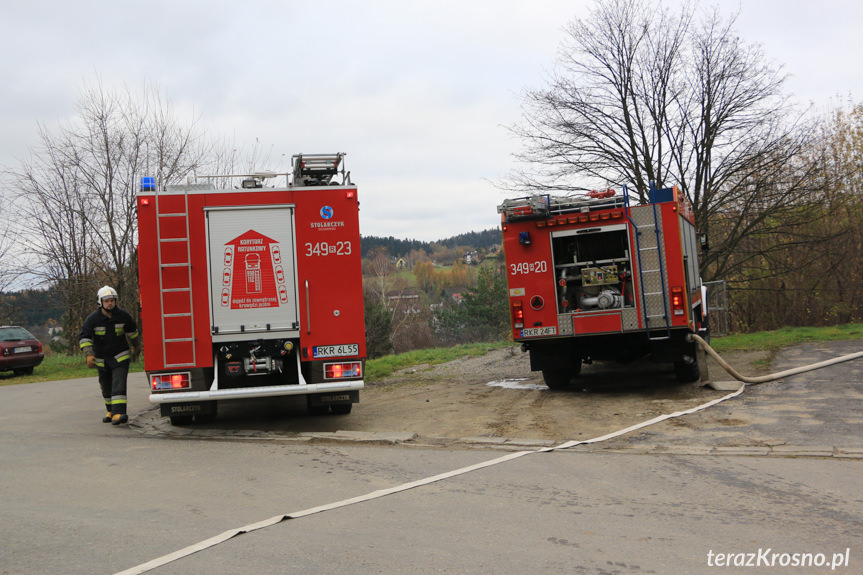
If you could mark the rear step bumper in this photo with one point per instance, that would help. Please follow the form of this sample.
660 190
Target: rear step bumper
249 392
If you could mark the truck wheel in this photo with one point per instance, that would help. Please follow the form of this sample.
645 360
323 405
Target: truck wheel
181 420
342 408
687 372
556 379
319 410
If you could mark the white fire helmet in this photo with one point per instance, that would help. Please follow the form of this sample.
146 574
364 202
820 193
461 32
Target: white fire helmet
106 291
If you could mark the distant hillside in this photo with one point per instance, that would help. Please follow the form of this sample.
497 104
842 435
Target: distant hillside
31 308
399 248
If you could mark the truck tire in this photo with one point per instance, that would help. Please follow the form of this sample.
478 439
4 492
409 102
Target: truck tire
686 369
319 410
555 379
687 372
561 378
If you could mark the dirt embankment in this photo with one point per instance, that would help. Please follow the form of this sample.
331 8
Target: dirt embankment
497 395
488 397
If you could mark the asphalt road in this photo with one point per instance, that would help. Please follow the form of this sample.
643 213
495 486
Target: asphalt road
766 478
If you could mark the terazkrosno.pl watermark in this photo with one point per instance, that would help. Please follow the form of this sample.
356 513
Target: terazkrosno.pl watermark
770 558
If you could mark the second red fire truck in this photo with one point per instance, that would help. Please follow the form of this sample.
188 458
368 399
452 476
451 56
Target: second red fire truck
593 278
253 292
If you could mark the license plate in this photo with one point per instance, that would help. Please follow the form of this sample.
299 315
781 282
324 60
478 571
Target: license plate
22 349
538 331
345 349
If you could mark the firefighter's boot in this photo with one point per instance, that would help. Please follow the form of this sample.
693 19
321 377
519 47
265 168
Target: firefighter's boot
119 418
107 418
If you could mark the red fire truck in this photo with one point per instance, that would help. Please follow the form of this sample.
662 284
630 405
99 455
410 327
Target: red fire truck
253 292
593 278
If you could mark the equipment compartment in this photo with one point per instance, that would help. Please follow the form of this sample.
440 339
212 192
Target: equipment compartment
593 269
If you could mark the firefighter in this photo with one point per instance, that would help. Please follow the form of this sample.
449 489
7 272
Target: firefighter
103 340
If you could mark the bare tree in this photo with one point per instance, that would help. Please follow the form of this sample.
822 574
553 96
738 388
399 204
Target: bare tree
7 268
380 269
641 94
76 194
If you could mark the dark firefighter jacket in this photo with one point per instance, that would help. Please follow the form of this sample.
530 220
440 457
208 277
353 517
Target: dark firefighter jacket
105 337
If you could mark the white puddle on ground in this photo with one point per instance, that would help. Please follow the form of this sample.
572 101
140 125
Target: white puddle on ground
515 383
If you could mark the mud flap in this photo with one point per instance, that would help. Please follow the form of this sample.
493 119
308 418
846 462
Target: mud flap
200 409
341 397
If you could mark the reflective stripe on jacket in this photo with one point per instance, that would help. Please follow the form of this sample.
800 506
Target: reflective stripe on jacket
106 337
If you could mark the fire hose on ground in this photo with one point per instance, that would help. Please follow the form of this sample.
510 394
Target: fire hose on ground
231 533
765 378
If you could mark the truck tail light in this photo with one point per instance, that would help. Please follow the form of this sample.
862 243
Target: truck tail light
517 314
677 300
171 381
343 370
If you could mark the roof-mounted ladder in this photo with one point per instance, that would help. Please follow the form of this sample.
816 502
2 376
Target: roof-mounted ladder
318 169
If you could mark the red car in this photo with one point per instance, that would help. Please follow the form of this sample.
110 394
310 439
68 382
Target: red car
19 350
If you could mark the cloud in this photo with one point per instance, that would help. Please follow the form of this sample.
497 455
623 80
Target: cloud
417 93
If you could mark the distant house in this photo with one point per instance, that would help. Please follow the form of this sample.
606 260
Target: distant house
401 264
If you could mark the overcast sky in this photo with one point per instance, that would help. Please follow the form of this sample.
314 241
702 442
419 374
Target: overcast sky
417 93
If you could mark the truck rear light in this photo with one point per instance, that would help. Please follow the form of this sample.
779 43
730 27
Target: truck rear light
677 300
343 370
171 381
517 314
